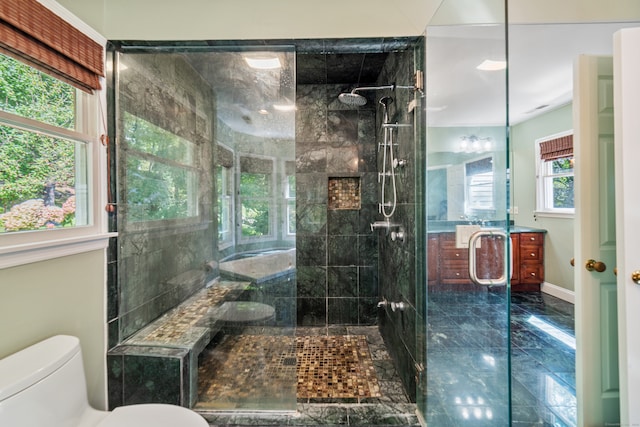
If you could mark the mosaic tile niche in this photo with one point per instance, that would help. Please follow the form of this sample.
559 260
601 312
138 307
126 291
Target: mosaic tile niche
344 193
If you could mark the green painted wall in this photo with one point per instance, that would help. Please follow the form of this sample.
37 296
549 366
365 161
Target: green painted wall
59 296
559 239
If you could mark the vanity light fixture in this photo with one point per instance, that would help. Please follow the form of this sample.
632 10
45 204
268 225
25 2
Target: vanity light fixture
474 144
489 65
263 63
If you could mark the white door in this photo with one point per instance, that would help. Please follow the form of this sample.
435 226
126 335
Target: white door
627 153
597 379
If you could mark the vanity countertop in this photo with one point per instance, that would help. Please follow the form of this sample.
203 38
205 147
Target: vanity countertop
450 227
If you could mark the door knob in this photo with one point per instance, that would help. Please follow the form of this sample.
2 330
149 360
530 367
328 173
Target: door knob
598 266
635 276
572 261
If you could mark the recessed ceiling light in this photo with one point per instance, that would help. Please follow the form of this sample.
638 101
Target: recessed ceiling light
489 65
263 63
284 107
263 111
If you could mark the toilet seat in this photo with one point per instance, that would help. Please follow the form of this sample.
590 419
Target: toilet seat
153 415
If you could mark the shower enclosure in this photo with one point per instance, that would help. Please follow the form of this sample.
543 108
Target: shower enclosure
246 193
467 349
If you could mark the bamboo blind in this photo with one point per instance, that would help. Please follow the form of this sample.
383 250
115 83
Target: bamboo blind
556 148
32 33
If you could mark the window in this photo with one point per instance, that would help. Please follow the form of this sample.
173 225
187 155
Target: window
555 178
161 178
52 168
44 171
479 186
256 194
224 186
255 200
290 195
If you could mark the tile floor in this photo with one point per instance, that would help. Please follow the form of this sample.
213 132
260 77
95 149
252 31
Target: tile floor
467 365
467 360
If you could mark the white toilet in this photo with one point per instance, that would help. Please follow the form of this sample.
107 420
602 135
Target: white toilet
44 385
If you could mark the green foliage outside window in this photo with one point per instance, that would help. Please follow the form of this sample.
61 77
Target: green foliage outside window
255 191
160 180
563 185
37 172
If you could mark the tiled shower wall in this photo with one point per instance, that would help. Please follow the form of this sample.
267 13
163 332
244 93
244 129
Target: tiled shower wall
337 254
402 263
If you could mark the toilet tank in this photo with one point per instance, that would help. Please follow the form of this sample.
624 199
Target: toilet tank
44 385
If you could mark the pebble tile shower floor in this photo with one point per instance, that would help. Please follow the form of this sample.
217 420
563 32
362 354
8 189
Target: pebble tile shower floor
340 375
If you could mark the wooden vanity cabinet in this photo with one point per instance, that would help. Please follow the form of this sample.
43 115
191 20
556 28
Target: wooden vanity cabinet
449 265
531 261
433 255
454 262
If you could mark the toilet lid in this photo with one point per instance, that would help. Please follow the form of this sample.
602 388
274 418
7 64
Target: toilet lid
153 415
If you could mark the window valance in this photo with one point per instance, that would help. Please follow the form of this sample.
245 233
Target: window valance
556 148
35 35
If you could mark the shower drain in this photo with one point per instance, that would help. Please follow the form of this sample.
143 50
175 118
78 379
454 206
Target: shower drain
289 361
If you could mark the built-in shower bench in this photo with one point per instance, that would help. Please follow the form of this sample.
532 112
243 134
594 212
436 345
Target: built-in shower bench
159 363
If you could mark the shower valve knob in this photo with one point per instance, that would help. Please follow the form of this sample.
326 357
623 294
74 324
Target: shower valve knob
397 235
400 163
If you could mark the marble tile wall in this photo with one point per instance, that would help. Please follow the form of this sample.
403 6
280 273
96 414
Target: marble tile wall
400 266
337 256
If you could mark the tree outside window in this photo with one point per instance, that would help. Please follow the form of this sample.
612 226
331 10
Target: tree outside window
555 179
43 159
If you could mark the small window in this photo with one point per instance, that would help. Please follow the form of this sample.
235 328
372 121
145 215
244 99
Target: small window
255 203
224 186
555 178
256 194
291 204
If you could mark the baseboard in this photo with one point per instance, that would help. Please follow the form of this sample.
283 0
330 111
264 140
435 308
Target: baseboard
558 292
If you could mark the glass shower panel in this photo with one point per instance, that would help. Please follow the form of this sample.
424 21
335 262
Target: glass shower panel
468 262
206 243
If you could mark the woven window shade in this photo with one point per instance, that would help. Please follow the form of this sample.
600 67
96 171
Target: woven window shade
33 34
557 148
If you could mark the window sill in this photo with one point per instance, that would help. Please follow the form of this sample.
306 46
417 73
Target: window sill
547 214
11 256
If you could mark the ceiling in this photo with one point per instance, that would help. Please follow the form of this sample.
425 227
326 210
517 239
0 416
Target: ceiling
540 70
540 73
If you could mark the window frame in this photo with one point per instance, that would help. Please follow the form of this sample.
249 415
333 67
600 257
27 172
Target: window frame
544 194
24 247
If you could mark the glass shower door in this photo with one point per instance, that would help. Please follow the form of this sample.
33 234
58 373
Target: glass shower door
467 364
206 219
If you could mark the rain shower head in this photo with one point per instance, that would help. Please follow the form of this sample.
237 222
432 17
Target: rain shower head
352 98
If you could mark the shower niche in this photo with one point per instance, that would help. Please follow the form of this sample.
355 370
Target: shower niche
344 193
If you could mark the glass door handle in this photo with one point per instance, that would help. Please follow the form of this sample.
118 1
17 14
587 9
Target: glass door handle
498 281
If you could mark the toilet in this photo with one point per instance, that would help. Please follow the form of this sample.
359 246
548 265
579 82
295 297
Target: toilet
44 385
